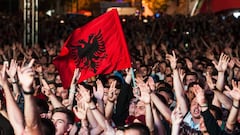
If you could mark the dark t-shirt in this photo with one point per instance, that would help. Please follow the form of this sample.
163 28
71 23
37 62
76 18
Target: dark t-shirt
5 126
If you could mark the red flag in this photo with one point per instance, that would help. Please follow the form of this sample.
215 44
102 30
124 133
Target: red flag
99 47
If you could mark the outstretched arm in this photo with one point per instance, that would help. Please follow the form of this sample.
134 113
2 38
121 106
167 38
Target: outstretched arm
235 94
81 112
98 94
221 67
146 99
92 107
209 121
219 98
31 115
12 75
176 118
14 114
52 97
128 78
72 90
162 108
177 84
112 97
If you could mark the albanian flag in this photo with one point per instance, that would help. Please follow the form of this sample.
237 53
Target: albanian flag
99 47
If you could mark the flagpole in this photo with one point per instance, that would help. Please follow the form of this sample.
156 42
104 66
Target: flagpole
133 77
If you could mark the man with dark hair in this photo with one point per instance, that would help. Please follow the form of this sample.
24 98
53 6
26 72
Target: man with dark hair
189 78
136 129
63 119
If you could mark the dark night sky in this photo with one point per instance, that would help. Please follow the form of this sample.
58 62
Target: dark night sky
8 6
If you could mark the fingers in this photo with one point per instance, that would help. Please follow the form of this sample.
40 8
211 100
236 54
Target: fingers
174 55
227 88
215 64
113 84
30 64
45 85
76 71
4 69
99 82
24 61
234 84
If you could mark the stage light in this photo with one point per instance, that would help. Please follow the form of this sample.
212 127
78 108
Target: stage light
61 21
236 14
145 20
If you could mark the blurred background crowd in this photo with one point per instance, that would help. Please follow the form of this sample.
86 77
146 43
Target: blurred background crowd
185 79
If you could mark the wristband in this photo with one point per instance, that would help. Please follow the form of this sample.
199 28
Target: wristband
93 108
204 105
28 92
236 107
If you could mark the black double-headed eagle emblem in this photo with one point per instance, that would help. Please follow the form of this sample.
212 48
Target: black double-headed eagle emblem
88 54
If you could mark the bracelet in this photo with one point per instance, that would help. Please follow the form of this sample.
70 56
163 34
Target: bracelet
236 107
93 108
204 105
28 92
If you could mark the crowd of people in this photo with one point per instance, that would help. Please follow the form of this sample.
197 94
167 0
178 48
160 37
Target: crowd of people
184 80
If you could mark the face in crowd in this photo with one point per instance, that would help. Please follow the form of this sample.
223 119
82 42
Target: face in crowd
63 120
195 109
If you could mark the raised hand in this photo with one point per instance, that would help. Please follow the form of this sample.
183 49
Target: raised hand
210 83
145 97
199 93
151 84
144 91
172 59
12 69
112 92
176 116
76 75
189 64
99 92
235 92
87 97
80 111
26 76
222 64
46 89
181 74
231 64
142 85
